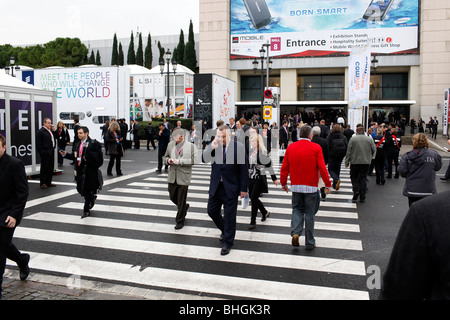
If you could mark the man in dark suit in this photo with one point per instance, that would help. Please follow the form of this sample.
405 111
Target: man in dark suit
88 157
229 180
163 137
296 133
283 137
45 146
13 197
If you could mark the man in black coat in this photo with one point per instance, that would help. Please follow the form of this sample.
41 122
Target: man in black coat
419 266
163 137
13 197
88 157
45 146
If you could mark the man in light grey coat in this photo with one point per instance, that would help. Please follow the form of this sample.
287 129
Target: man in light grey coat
360 152
180 155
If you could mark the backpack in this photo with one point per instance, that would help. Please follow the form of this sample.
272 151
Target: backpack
338 147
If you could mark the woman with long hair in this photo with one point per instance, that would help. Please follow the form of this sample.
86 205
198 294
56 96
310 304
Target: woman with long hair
115 148
419 167
62 136
259 162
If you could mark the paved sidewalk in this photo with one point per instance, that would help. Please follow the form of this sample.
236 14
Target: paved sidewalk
47 287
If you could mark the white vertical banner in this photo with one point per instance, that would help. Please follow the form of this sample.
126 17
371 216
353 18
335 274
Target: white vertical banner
445 123
358 83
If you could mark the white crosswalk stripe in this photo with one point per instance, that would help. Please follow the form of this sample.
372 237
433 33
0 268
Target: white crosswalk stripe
137 221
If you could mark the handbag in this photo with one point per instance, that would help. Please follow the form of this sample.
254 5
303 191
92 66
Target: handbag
281 151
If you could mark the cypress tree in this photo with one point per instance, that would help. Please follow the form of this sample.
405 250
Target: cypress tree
179 56
121 58
131 57
161 52
190 56
98 61
140 52
148 53
115 52
91 59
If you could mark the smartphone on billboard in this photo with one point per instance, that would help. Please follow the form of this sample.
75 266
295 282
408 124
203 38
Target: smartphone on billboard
259 12
377 10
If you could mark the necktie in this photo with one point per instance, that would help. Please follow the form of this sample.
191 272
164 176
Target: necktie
80 152
224 156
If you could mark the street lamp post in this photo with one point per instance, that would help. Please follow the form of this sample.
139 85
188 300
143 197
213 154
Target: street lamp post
167 58
12 66
263 56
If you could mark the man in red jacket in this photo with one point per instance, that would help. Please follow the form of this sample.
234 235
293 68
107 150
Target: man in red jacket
304 162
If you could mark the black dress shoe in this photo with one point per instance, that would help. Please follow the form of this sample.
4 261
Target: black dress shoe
221 236
85 215
25 271
225 251
444 179
179 225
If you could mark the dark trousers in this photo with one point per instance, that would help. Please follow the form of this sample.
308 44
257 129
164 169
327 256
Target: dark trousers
334 168
152 140
411 200
358 176
392 156
379 167
255 188
161 153
136 141
447 173
88 197
8 251
227 222
178 195
116 158
46 172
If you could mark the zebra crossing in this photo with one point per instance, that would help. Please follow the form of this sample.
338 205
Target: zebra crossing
130 238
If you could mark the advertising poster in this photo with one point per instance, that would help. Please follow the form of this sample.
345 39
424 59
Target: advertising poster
298 28
84 92
20 113
359 77
203 108
223 99
446 121
148 93
42 110
2 118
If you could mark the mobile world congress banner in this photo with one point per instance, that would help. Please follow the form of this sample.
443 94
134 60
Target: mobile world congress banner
297 28
358 84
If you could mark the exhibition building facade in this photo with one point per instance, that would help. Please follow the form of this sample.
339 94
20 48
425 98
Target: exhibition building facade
308 44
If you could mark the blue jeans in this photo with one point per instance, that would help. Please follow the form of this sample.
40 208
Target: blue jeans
304 209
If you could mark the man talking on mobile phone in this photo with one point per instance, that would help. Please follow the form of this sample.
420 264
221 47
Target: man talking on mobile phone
229 180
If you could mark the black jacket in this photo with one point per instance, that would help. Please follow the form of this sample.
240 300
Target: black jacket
419 264
44 144
163 139
63 138
322 142
13 189
87 175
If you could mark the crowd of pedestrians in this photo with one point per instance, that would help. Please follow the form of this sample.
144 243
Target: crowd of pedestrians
240 156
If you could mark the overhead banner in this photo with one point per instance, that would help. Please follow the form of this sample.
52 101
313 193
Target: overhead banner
319 28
